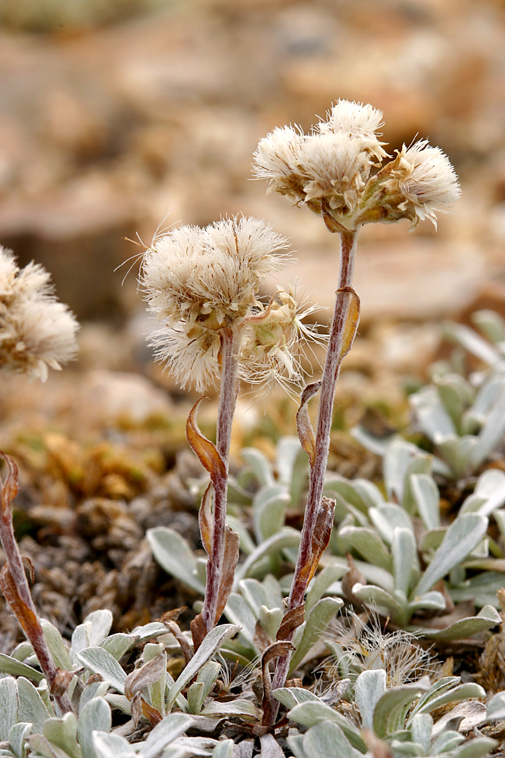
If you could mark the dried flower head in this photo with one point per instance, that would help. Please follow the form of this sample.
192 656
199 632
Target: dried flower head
36 331
363 646
419 183
200 281
331 171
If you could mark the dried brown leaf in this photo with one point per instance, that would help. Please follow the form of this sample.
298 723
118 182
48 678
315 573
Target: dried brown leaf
350 578
25 615
204 448
205 519
186 648
352 302
10 485
276 650
304 424
320 537
198 631
230 560
149 673
261 639
291 621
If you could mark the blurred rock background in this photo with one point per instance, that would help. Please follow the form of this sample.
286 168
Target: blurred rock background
118 116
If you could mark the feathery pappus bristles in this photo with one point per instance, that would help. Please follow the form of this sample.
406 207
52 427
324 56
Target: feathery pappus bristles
200 281
331 171
37 332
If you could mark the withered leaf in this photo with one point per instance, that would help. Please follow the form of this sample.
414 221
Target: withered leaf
261 639
320 537
276 650
24 614
149 673
351 302
186 648
205 519
291 621
198 631
204 448
303 422
230 560
10 485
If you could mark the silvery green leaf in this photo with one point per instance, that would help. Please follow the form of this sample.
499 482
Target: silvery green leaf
295 743
237 707
382 600
224 749
8 706
473 504
259 465
398 459
273 592
56 646
316 623
95 715
491 434
491 323
236 493
420 727
367 542
148 631
423 464
321 583
491 488
208 675
443 685
476 748
376 445
472 342
371 573
337 485
450 695
255 594
175 556
17 738
9 665
292 467
211 643
427 498
112 746
327 740
90 691
387 518
118 644
99 661
456 395
486 619
292 696
461 538
195 697
287 537
269 509
368 690
270 620
164 733
391 709
237 524
63 734
431 413
97 625
496 708
120 702
447 741
239 612
433 600
40 747
31 705
406 567
22 651
457 451
310 713
488 396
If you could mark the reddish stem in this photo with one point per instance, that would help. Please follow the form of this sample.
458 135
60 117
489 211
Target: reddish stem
230 339
322 445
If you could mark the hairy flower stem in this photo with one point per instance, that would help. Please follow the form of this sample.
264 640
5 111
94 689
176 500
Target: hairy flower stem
322 446
230 339
15 587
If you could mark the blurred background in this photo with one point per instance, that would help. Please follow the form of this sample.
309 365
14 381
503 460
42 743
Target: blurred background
120 115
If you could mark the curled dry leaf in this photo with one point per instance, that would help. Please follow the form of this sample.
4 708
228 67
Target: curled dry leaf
186 648
320 538
304 424
351 302
276 650
204 448
205 519
230 560
198 631
291 621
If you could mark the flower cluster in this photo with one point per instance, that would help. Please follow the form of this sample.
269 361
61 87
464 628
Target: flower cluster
201 281
330 170
37 332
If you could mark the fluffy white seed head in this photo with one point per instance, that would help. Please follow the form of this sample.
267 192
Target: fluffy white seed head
420 182
36 331
199 281
331 170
